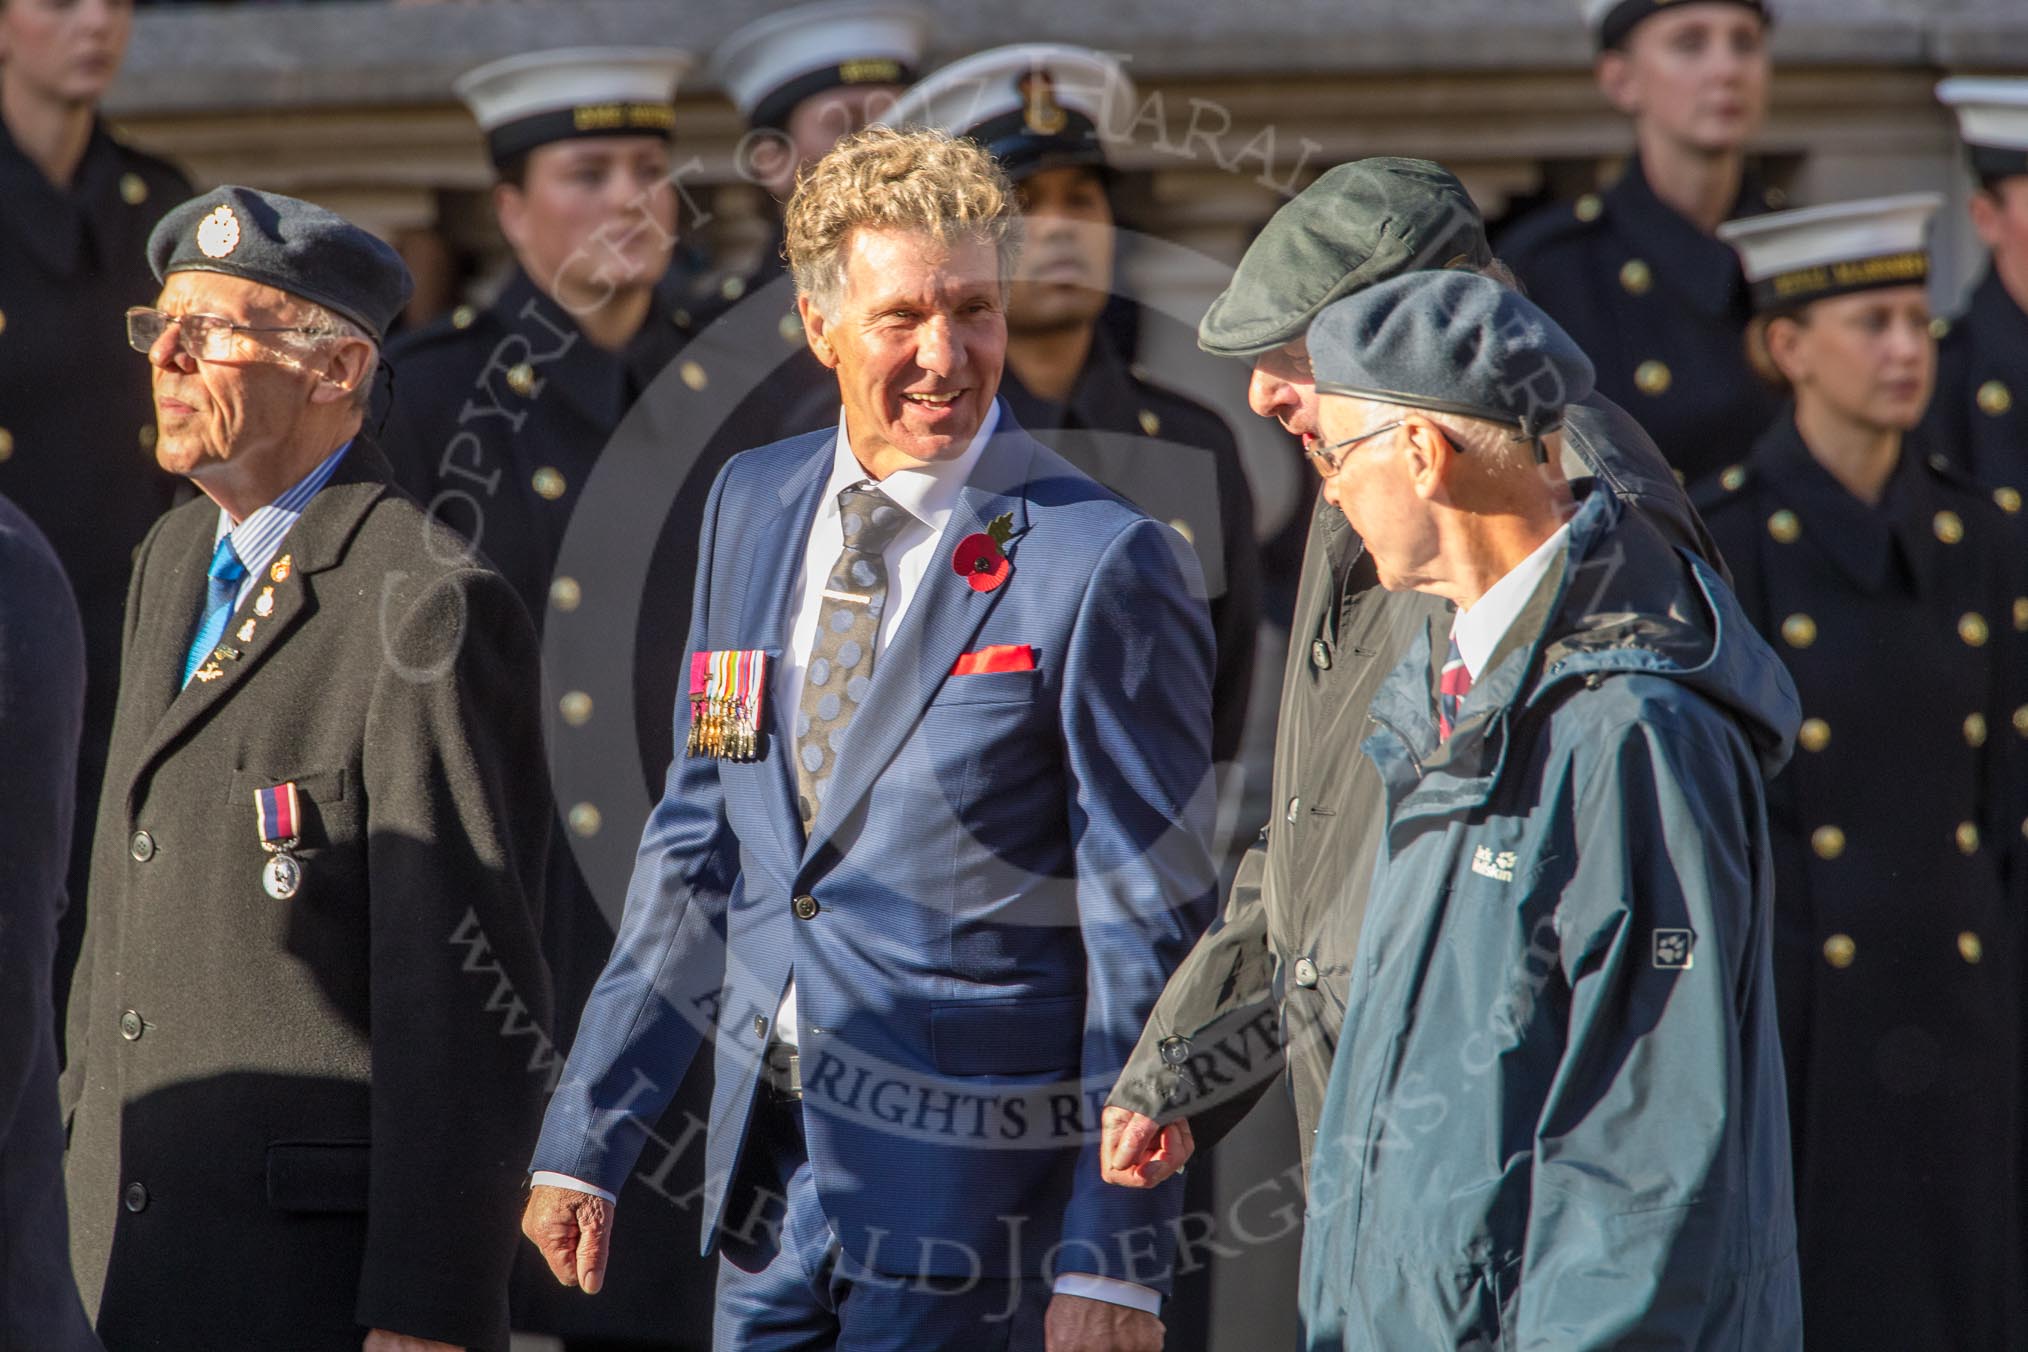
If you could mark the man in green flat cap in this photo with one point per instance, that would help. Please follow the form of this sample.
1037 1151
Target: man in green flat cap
1264 990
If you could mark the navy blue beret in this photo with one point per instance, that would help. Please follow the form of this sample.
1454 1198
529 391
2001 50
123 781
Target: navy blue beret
1451 342
291 245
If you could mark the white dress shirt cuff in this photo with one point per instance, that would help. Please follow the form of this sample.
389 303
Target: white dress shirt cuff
1109 1289
544 1178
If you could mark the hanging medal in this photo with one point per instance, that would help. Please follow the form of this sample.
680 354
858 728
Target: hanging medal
280 822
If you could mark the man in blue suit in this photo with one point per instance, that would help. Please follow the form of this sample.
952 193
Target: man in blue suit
936 839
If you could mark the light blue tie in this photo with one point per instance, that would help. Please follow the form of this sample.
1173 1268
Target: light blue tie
227 572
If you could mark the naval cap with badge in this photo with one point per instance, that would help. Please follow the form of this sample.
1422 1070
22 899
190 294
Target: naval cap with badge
774 63
1794 257
1992 121
1452 342
1357 225
291 245
1033 106
534 98
1612 20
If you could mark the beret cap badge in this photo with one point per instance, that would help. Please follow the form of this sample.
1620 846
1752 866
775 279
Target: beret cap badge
218 233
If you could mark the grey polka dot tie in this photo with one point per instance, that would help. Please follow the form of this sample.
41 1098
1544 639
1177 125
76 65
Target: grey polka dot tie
848 625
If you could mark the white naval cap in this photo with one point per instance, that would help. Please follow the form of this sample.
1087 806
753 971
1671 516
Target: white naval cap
1612 20
1034 106
1992 122
1794 257
525 101
774 63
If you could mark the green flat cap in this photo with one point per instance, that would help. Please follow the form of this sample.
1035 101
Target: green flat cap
1360 223
1451 342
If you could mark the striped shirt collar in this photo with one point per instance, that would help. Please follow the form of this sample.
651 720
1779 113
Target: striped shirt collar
257 538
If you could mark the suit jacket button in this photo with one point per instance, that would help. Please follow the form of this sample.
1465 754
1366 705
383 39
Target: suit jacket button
1320 655
760 1025
1175 1050
806 907
1306 973
131 1025
142 847
135 1198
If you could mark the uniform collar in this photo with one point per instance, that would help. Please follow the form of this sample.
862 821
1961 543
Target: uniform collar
54 222
1103 398
1994 311
927 491
259 534
601 385
1702 270
1873 545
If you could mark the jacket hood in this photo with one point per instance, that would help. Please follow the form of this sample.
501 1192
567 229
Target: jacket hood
1620 600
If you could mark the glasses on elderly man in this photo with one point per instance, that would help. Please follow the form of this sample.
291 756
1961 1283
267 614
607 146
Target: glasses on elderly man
1329 464
204 337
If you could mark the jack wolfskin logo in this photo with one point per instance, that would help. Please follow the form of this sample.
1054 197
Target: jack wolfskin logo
1672 949
1499 867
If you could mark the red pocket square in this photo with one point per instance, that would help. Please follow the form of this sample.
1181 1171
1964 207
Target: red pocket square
999 657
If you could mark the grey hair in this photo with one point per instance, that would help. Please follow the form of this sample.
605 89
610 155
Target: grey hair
317 325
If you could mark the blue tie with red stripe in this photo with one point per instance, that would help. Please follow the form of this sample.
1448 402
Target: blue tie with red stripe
1453 684
227 572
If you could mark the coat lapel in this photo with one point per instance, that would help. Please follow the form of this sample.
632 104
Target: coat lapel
940 624
316 542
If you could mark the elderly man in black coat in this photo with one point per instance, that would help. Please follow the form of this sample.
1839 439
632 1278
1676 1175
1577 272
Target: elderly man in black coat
41 708
307 1031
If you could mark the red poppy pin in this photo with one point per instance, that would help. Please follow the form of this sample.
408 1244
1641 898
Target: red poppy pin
981 558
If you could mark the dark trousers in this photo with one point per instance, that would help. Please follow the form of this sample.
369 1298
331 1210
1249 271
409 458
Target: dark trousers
784 1284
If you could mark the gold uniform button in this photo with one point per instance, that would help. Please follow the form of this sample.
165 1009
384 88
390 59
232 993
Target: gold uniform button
1784 527
1975 730
1588 207
1150 424
146 437
693 375
1828 842
1970 947
585 819
1949 527
1814 735
3 321
521 379
1636 277
549 483
133 189
1799 631
1995 399
1732 478
2009 499
1839 950
1182 528
1652 377
462 317
791 327
2021 614
732 288
576 708
1939 328
2021 720
565 594
1972 629
1968 838
681 319
6 445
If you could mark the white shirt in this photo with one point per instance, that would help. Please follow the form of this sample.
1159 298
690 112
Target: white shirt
1478 631
927 491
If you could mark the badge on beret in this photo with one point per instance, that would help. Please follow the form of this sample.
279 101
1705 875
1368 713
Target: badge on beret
280 824
218 233
725 703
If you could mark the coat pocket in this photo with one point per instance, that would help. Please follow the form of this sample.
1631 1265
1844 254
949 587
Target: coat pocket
318 1176
1013 1036
989 687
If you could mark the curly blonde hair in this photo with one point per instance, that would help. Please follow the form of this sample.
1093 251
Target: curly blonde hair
888 179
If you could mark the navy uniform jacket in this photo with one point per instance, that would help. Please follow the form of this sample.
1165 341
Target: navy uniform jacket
499 417
1177 461
1661 309
41 709
1979 413
77 422
297 1119
1898 923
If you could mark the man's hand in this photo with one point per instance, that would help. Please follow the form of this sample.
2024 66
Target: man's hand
380 1340
574 1231
1138 1152
1080 1324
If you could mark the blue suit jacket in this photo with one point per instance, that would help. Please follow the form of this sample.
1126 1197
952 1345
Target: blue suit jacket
1006 865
